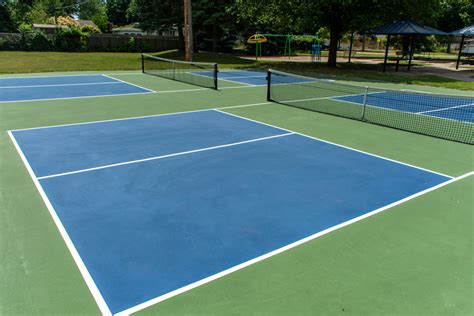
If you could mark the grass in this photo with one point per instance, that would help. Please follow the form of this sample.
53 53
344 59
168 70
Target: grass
32 62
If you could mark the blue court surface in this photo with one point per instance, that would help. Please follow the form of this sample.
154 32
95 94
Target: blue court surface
63 87
155 204
454 108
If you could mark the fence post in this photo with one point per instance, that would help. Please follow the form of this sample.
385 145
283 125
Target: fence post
365 103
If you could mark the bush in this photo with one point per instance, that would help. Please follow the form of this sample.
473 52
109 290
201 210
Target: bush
33 40
70 40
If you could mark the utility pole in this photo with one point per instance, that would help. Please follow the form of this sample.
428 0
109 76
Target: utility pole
188 30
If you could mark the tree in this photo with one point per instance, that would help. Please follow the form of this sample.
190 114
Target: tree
6 22
95 10
156 15
117 11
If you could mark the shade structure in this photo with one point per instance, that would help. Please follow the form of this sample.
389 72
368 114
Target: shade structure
403 27
468 31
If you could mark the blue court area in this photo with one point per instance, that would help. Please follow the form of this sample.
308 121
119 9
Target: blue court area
454 108
252 78
158 203
63 87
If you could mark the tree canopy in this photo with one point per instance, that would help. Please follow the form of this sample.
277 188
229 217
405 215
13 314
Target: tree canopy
217 22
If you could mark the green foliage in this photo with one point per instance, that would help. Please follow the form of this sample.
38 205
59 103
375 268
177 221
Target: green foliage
95 10
33 39
117 12
70 40
89 29
6 23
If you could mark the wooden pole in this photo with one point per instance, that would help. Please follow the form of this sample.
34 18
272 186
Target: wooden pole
386 53
188 30
460 52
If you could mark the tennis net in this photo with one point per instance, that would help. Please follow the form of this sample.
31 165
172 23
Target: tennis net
199 74
443 116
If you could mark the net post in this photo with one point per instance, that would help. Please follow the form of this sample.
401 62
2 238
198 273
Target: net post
364 105
269 80
143 64
215 76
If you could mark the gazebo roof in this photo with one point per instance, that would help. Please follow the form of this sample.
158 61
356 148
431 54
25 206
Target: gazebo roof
405 27
467 31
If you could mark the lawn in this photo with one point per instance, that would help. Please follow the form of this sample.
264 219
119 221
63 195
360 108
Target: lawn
34 62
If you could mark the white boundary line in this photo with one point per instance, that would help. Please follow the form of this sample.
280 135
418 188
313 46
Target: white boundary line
62 85
444 109
82 97
244 118
338 145
132 84
163 156
191 286
52 76
144 116
72 249
242 83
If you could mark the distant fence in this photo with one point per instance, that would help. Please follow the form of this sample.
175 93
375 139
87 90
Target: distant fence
114 42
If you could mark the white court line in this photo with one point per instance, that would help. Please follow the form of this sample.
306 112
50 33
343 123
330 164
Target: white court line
230 107
243 77
82 97
247 84
163 156
141 117
132 84
52 76
70 245
221 274
62 85
444 109
338 145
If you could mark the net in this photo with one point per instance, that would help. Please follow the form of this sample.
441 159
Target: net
443 116
199 74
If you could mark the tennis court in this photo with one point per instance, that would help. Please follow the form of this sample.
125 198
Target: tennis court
164 197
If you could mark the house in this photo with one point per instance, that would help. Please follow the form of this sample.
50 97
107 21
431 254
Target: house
47 28
86 22
128 30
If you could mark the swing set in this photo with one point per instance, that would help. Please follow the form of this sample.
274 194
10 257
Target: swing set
258 39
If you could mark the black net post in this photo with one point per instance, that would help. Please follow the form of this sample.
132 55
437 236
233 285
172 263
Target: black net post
215 77
143 64
269 84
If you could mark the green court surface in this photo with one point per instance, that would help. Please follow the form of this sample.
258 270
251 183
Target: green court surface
415 258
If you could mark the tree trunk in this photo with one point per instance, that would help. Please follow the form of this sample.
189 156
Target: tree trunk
448 48
335 29
363 43
214 38
180 28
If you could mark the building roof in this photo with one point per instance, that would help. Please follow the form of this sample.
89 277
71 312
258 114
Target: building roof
47 26
86 22
467 31
405 27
